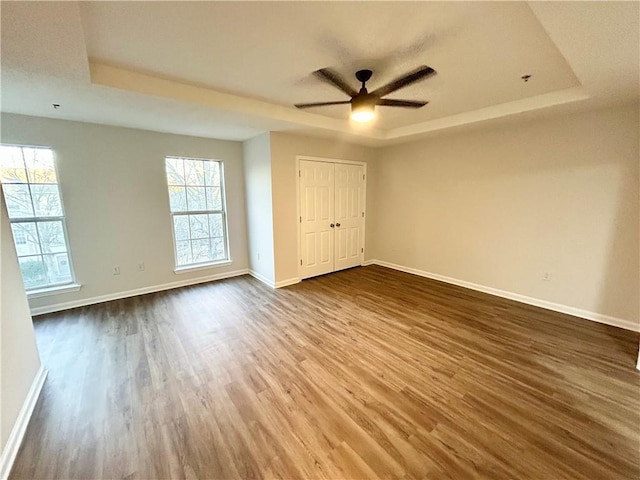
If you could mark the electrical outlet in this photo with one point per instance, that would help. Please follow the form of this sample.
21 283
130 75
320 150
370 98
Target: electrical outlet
547 276
141 266
116 270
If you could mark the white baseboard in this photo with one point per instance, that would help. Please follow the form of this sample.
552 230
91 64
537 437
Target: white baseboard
271 283
132 293
369 262
20 427
262 278
287 282
556 307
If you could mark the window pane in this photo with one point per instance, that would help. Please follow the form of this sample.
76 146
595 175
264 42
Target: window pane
214 199
199 226
201 250
57 267
195 188
212 174
12 166
33 271
52 237
18 200
196 199
215 225
30 188
40 166
217 247
194 172
175 171
25 237
46 200
183 252
177 199
181 227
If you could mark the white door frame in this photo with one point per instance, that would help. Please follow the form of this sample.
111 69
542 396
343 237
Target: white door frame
327 160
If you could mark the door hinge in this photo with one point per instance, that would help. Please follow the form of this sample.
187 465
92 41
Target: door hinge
362 250
363 176
300 173
362 214
300 219
300 262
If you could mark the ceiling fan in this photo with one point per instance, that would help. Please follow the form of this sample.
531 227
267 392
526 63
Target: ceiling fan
363 102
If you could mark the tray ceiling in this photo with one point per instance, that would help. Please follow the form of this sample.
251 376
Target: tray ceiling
234 69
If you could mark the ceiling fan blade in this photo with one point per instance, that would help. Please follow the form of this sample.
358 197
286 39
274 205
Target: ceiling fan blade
419 73
336 80
401 103
321 104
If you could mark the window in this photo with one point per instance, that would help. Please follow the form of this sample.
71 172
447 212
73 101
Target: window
197 204
34 205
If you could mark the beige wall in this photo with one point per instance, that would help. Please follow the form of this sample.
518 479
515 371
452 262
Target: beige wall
115 195
257 175
499 207
284 149
19 356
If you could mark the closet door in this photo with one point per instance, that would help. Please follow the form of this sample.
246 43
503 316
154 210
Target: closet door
316 218
349 215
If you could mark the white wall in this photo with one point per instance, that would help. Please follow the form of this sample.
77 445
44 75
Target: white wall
499 207
257 175
115 195
284 149
19 356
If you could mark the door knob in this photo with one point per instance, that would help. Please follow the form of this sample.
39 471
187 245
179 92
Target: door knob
332 225
337 224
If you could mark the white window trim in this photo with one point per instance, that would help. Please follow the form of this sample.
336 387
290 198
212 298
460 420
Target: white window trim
57 290
180 269
201 266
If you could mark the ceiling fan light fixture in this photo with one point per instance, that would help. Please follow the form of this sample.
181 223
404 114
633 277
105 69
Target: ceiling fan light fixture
362 109
363 114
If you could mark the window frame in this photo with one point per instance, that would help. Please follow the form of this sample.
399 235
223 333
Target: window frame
225 226
58 287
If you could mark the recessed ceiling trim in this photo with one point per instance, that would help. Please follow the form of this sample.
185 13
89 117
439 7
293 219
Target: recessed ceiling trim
122 79
119 78
560 97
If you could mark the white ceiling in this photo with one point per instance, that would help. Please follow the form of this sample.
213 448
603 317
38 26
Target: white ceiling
234 69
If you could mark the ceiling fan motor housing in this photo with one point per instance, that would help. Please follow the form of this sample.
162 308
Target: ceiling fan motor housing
363 100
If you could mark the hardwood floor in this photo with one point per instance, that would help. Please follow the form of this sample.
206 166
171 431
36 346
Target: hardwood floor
361 374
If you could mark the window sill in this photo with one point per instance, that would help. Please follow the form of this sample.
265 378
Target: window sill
202 266
45 292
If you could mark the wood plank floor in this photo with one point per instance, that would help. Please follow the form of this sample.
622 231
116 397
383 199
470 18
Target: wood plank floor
361 374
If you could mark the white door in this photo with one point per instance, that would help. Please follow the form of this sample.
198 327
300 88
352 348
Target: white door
349 215
331 217
316 218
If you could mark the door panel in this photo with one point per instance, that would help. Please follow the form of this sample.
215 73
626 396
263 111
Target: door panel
355 242
342 244
349 209
326 252
317 213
